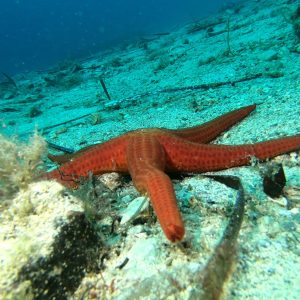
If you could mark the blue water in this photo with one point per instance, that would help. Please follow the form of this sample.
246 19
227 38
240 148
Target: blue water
35 34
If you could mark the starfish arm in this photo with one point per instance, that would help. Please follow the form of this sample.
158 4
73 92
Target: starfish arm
101 158
210 130
146 161
147 153
183 156
275 147
158 186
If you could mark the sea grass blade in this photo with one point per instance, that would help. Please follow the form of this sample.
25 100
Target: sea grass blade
60 148
9 79
218 268
104 88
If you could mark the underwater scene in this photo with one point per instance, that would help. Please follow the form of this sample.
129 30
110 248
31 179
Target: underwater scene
150 149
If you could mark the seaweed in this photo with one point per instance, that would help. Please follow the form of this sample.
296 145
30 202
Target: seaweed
20 164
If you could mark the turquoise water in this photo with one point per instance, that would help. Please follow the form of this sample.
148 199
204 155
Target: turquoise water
80 80
35 35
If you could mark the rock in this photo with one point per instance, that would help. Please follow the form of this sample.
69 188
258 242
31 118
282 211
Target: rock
135 207
111 180
143 254
44 244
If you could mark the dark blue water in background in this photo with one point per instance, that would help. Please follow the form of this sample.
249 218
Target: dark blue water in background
35 34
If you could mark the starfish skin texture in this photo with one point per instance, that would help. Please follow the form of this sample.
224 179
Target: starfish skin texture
149 154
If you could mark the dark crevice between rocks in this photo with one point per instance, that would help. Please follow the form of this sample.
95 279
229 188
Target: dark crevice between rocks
59 274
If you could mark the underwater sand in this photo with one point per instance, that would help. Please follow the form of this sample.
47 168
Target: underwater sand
264 47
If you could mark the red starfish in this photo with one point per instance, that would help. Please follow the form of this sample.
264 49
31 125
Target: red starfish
146 154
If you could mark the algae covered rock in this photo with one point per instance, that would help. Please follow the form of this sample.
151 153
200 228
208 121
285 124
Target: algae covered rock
45 244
